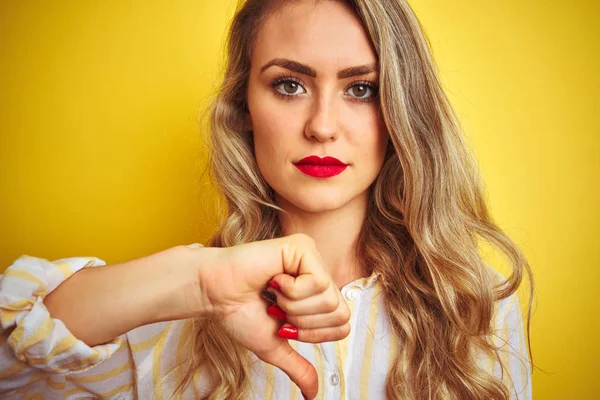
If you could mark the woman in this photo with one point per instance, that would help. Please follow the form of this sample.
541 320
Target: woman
350 191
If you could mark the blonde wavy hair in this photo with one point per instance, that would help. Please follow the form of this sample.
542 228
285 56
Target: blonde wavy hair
427 214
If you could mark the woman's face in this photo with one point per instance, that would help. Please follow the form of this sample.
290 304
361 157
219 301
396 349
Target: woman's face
312 92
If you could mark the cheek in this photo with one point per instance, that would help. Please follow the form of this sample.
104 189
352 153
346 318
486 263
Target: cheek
275 134
272 144
369 134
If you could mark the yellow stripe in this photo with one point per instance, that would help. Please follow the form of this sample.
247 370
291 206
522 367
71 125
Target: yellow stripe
65 268
195 384
41 332
124 388
341 357
7 317
148 343
35 396
32 379
186 333
54 384
86 362
14 369
104 375
270 381
19 305
19 273
365 371
341 351
10 311
66 344
320 362
76 390
156 362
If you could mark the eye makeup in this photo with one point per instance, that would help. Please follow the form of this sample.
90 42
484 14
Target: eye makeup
370 85
292 79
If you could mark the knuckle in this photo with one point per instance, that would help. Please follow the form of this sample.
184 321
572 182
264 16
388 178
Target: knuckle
331 335
322 284
304 375
287 309
342 317
331 304
308 336
298 322
292 292
283 304
347 314
344 331
303 238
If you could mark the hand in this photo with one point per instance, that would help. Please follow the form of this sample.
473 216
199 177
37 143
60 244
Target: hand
232 283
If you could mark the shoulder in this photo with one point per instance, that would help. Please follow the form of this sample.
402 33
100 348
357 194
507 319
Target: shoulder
508 306
508 335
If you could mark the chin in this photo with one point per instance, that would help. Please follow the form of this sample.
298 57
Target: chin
316 202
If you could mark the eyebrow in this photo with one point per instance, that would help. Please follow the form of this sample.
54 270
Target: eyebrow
306 70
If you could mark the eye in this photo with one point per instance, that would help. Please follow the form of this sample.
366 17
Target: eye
288 87
363 91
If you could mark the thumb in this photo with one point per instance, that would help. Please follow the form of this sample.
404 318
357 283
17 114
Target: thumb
298 368
282 282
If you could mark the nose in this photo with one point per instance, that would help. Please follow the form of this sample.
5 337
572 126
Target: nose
322 124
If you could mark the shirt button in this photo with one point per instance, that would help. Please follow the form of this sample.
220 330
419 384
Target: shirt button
334 379
351 294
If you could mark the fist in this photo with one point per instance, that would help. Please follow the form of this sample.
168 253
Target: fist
231 283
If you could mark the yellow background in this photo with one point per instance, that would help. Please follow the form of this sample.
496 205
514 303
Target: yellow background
100 152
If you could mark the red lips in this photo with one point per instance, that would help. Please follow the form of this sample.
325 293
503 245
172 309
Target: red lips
321 167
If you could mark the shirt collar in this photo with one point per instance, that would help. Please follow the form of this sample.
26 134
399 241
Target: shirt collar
367 282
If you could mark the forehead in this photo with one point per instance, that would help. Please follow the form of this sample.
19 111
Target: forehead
326 35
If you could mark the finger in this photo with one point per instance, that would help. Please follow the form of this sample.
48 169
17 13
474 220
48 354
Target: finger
298 368
300 257
336 318
301 287
321 335
320 304
276 312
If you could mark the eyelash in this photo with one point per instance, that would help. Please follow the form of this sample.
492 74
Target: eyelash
286 79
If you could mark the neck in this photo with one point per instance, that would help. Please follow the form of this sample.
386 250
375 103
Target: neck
335 233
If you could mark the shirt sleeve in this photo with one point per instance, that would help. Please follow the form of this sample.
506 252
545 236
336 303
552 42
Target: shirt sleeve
510 337
31 340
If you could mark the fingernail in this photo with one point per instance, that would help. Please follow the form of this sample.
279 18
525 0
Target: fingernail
270 296
277 312
305 398
274 284
288 332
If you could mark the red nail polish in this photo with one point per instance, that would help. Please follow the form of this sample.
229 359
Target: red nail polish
274 284
277 312
288 332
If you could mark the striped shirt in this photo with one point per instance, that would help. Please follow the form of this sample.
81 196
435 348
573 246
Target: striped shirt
41 359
